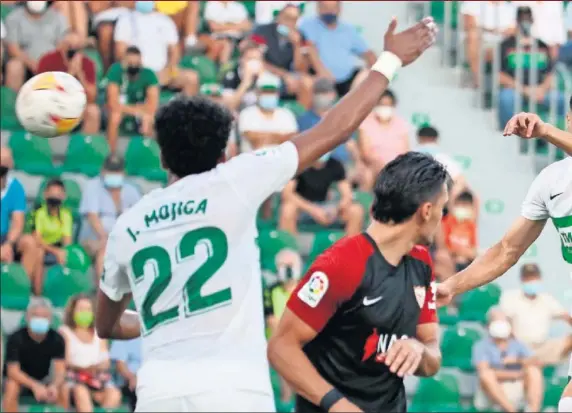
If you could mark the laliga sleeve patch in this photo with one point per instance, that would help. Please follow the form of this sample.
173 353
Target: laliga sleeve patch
314 290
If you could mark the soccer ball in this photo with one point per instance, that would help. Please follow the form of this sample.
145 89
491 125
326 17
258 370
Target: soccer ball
51 104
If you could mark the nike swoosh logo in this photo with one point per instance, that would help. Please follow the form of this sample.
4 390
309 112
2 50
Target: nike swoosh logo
367 302
555 196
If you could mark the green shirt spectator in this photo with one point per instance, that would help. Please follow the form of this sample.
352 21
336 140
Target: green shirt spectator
133 88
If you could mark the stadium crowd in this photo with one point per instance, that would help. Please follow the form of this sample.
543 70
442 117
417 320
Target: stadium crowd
279 72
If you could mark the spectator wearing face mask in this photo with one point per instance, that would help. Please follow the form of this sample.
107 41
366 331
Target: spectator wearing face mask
104 199
508 379
460 230
31 352
530 306
70 59
31 32
542 92
266 124
382 137
132 96
340 46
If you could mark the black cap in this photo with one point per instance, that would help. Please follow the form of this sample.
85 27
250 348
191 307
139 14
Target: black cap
529 269
114 163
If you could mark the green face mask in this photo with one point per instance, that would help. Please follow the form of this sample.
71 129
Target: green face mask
83 318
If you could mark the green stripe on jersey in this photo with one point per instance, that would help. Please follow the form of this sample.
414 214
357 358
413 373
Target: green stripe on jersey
564 228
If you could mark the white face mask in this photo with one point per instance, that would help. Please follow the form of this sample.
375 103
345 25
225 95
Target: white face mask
384 112
37 6
500 329
462 213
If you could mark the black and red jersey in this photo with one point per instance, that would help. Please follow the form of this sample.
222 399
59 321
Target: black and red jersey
360 305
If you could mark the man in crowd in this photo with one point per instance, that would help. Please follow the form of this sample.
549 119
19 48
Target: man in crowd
127 357
132 96
531 311
460 230
14 243
507 377
70 59
30 353
31 32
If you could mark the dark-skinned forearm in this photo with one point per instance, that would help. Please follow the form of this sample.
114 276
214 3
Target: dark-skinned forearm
127 328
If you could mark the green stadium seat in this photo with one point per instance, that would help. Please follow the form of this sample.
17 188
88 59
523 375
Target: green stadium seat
142 159
322 241
205 67
165 96
15 287
552 392
41 408
419 119
32 154
95 57
294 107
438 12
457 347
448 316
77 258
474 304
73 193
250 6
5 10
437 394
62 283
85 154
271 242
8 118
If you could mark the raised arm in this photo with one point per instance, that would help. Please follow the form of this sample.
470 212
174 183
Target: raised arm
529 125
337 126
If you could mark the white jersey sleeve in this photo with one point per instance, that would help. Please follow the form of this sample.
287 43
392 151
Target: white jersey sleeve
534 206
256 175
114 282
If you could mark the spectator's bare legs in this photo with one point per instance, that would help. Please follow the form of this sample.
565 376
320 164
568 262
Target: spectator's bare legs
82 398
302 86
187 22
28 249
472 43
39 271
288 220
15 74
185 79
493 389
146 125
226 51
352 216
105 43
91 119
109 398
113 123
534 387
11 395
76 14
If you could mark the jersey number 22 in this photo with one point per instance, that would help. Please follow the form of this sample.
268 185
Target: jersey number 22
195 303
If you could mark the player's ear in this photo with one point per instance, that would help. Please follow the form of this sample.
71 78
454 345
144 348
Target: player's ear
425 211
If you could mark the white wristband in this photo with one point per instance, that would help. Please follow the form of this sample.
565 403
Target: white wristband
387 64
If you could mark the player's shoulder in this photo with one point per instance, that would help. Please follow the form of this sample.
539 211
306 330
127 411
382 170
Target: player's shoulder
548 176
348 255
421 253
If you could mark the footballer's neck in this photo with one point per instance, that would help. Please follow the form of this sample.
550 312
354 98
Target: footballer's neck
393 241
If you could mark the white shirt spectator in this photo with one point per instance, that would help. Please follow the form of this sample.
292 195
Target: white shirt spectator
492 17
265 10
229 12
548 18
252 119
531 318
152 33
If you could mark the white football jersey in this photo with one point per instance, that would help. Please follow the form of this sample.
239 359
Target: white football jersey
188 254
550 196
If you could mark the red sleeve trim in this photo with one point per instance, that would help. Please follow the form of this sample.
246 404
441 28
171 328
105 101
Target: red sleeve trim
331 280
429 310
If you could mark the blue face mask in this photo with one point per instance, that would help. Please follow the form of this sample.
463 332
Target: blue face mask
283 30
532 287
268 101
113 180
39 325
145 6
329 18
325 157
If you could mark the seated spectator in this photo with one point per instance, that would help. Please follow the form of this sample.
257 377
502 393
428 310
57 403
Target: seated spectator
132 96
70 59
87 358
156 36
266 124
186 16
486 23
542 93
529 306
308 199
51 224
31 352
105 14
31 32
285 55
104 198
14 244
339 44
227 22
548 24
460 230
266 11
324 97
382 137
507 377
565 54
127 357
76 15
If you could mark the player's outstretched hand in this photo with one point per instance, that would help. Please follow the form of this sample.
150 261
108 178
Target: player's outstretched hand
404 357
525 125
444 295
409 44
